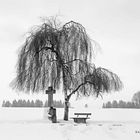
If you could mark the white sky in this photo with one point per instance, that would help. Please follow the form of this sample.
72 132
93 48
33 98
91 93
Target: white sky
114 24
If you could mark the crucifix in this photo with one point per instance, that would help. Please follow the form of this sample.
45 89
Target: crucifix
50 93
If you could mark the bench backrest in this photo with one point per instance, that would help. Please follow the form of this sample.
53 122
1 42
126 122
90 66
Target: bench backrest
82 113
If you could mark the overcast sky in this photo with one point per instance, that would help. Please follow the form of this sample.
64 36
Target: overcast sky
114 24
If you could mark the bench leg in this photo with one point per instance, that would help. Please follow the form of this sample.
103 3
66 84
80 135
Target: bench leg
77 120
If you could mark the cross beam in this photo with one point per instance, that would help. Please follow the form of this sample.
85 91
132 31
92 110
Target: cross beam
50 93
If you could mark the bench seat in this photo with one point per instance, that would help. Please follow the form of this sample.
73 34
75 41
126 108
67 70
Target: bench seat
79 118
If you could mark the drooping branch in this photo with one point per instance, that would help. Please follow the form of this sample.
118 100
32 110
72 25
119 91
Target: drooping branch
98 82
74 91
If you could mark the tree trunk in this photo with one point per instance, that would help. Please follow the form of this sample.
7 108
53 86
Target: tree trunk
66 109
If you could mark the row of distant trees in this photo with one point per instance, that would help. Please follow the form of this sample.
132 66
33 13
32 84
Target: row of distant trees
121 104
32 103
135 103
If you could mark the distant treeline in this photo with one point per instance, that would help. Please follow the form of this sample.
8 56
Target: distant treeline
28 103
120 104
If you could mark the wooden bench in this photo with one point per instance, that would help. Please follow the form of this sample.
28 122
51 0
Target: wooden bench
79 119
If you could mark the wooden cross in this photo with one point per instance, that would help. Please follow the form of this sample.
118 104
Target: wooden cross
50 93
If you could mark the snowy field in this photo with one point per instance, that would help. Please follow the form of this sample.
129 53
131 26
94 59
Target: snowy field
105 124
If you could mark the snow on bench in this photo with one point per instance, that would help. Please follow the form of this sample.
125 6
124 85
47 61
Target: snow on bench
81 117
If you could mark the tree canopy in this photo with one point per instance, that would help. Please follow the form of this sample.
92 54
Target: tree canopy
136 98
55 55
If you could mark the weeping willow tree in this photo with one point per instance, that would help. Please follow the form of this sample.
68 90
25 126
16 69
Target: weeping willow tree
60 56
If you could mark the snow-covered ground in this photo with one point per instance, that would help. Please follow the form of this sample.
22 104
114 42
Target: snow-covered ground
105 124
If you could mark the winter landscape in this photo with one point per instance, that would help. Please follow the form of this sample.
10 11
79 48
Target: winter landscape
61 57
105 124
